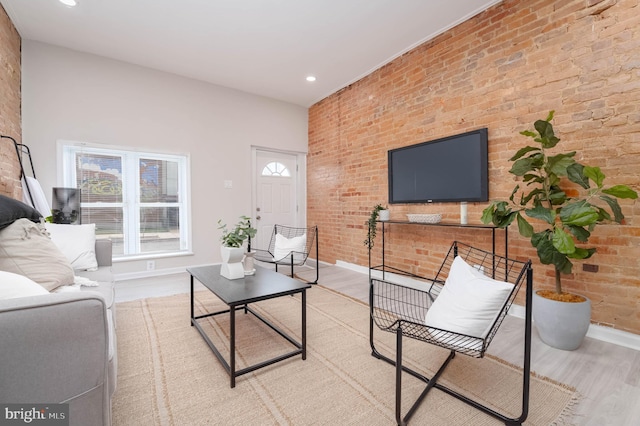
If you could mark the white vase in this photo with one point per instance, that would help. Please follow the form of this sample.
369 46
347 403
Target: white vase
232 267
249 261
384 215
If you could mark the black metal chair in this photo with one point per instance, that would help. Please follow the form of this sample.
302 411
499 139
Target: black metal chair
403 310
291 247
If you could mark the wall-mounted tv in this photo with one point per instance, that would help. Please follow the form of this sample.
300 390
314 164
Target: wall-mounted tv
451 169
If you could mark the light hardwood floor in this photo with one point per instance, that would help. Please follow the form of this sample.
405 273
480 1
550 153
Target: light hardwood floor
606 376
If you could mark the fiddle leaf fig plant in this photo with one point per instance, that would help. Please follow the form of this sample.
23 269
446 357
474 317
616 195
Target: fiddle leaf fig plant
242 231
569 216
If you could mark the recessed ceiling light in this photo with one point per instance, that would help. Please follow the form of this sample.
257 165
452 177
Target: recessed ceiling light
311 78
69 3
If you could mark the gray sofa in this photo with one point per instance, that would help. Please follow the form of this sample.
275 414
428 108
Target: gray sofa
61 347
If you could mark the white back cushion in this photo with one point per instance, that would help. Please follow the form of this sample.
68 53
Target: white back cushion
284 246
26 249
77 243
469 302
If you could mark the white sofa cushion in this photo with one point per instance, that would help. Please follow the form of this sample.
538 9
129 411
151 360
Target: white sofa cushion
15 285
469 302
26 249
77 243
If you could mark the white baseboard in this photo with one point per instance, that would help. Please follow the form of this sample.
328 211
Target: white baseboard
148 274
599 332
170 271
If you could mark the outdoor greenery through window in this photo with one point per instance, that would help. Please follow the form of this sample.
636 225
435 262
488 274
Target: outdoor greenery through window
138 200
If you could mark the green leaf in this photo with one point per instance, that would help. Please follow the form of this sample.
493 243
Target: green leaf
531 178
581 253
525 229
522 166
513 193
524 150
575 173
558 163
562 263
536 194
580 233
550 115
615 207
543 245
487 213
563 242
499 214
595 174
621 191
557 196
604 215
580 213
528 133
547 136
544 128
548 254
539 212
504 220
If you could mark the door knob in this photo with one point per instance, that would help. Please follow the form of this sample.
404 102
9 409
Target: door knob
258 218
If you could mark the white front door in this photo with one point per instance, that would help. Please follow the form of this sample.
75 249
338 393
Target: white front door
276 190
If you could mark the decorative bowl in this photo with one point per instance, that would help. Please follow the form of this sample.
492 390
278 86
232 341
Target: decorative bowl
425 218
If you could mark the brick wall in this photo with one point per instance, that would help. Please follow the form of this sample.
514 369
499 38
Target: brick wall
10 96
503 69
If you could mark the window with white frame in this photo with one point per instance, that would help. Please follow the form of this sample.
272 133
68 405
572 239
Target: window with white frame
137 199
276 169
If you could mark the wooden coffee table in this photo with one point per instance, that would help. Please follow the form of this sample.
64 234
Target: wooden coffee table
237 295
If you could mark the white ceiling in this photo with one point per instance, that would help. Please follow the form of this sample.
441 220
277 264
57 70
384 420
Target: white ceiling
264 47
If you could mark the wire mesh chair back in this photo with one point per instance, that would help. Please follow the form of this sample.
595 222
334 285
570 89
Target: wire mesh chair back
292 258
289 232
396 306
402 310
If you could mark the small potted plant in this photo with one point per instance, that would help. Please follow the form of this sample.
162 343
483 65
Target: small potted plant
376 213
231 250
565 200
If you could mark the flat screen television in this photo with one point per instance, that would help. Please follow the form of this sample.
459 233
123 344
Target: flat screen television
451 169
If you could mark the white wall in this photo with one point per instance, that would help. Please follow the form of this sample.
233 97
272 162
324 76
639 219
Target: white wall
80 97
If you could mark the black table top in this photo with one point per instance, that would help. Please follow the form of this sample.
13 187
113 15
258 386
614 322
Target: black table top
265 284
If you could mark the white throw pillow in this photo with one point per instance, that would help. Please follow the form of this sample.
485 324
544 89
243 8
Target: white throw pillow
15 285
284 246
26 249
77 243
469 302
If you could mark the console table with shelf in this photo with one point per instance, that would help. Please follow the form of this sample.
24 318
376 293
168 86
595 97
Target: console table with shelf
385 268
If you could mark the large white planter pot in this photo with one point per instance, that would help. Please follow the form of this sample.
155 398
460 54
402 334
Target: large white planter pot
384 215
561 325
232 267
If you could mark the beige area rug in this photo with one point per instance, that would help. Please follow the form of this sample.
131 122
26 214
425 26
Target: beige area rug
167 375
